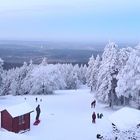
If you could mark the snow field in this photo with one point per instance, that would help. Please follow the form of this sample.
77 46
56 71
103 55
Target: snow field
66 115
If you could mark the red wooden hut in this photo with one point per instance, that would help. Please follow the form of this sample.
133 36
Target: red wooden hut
16 118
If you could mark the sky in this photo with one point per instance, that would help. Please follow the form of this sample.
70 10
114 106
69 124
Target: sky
73 20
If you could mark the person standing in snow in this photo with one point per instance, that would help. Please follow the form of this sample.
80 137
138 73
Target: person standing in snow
93 117
36 99
93 104
38 111
98 115
101 115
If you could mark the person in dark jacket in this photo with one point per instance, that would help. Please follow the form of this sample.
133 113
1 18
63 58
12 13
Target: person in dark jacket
93 117
93 104
98 115
38 111
101 115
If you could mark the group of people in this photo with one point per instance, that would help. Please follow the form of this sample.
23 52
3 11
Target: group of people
99 115
36 99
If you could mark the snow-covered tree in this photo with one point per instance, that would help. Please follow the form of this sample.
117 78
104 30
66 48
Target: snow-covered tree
128 78
14 85
107 72
71 77
17 81
89 71
124 54
82 74
26 82
94 73
45 79
60 77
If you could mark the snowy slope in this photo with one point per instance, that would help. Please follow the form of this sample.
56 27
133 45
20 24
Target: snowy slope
64 116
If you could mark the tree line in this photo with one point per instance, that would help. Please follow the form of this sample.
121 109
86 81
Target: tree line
43 78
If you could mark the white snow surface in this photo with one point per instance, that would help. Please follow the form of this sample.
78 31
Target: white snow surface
125 118
18 109
66 115
9 135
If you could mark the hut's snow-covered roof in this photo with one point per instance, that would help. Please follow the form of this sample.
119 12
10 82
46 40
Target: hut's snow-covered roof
125 118
19 109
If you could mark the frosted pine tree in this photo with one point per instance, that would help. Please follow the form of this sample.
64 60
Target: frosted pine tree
89 71
45 79
107 73
22 75
26 83
59 78
14 86
82 73
18 78
76 74
71 77
128 79
124 55
7 78
94 72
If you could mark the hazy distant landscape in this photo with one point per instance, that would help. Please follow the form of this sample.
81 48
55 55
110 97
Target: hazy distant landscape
14 53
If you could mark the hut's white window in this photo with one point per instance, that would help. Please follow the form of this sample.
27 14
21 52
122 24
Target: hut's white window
21 120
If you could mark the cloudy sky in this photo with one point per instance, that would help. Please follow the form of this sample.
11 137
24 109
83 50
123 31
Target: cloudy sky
70 20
